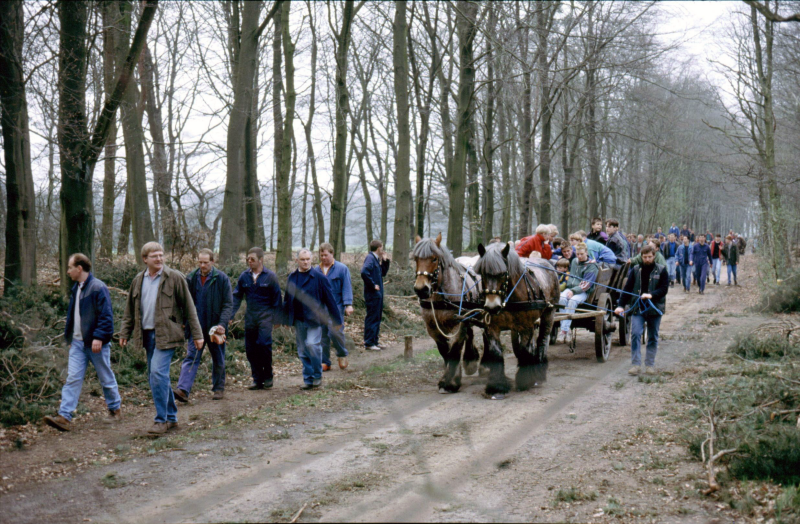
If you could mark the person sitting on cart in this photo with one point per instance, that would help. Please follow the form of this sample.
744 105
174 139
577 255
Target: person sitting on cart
597 251
583 274
562 268
537 243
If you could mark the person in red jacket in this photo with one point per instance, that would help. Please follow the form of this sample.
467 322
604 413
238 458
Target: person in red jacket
536 242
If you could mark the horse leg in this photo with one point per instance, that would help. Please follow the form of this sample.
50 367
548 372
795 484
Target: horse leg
451 379
542 343
523 350
471 356
493 359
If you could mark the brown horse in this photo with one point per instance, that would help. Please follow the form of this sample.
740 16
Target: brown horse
517 301
439 283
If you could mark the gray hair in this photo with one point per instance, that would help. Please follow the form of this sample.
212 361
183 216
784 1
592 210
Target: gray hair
304 250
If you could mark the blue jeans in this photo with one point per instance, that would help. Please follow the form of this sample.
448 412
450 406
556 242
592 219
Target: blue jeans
571 304
309 349
336 338
700 274
671 264
158 361
79 359
686 274
192 362
637 327
716 268
732 267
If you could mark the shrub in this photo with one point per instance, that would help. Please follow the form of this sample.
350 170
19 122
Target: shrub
771 347
783 297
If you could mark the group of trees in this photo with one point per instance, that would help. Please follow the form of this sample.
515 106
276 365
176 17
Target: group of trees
388 120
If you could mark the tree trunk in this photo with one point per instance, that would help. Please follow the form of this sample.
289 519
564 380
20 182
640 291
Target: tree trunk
505 166
487 225
233 217
543 30
591 129
161 178
466 34
528 200
284 196
320 219
424 110
403 200
110 21
20 262
340 176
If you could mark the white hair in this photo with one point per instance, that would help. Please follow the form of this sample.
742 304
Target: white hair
553 229
304 250
543 229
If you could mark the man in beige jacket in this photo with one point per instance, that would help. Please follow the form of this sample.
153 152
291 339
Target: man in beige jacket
158 308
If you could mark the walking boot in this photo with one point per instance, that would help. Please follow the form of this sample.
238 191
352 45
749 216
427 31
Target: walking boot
342 362
326 367
159 428
58 422
634 370
218 395
113 417
172 425
181 395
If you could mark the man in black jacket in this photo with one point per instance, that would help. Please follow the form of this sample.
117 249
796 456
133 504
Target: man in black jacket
375 267
617 242
647 285
211 292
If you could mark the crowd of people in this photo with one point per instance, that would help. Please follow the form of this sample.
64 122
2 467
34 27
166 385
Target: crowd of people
657 262
165 310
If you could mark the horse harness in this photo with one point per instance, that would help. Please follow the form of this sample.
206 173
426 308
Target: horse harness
533 303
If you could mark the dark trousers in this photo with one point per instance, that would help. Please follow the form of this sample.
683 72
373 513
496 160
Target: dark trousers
700 275
259 356
192 362
372 322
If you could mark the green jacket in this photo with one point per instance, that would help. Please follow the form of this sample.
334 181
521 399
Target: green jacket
174 310
731 254
637 260
578 271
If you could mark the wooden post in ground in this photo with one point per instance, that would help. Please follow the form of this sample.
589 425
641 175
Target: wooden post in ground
408 354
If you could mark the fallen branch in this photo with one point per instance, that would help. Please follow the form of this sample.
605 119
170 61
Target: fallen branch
297 515
789 380
713 485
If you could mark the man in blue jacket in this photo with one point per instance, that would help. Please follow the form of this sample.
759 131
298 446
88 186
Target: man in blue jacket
670 251
684 259
375 267
90 324
259 286
211 292
308 306
674 230
339 277
701 259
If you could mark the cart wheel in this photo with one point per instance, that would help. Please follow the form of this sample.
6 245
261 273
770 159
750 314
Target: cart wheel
602 333
623 330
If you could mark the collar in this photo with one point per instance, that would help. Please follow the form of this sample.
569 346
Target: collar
147 274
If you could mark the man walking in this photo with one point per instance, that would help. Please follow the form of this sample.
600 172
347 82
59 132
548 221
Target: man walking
259 287
582 276
211 294
701 258
309 305
674 230
684 257
375 267
158 308
617 242
339 278
660 235
650 282
670 251
716 248
731 254
90 324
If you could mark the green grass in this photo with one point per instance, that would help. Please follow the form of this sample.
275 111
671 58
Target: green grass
613 508
112 480
573 494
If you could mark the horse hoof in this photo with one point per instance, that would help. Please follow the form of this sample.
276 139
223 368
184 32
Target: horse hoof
471 367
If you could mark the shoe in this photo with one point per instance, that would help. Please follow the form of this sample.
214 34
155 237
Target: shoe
729 283
159 428
58 422
562 336
382 346
306 387
372 348
650 370
634 370
218 395
113 416
316 383
254 386
267 384
342 362
326 367
567 337
672 284
172 425
180 395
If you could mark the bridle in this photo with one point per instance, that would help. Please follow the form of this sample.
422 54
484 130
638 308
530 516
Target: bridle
433 276
501 292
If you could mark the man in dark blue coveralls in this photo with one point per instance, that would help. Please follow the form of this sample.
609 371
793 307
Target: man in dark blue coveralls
259 286
375 267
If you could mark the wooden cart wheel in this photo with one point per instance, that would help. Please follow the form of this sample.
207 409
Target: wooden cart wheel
622 327
602 333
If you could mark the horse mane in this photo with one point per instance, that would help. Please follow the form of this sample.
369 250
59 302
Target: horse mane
427 248
493 263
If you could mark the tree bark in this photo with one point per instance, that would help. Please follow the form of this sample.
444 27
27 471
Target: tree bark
528 201
543 27
342 40
487 225
465 23
110 15
403 200
284 196
320 219
20 262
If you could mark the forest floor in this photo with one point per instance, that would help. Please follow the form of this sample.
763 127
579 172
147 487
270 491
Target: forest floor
378 443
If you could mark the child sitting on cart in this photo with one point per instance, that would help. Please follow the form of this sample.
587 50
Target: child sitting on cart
562 267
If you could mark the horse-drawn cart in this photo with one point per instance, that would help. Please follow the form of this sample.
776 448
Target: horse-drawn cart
596 313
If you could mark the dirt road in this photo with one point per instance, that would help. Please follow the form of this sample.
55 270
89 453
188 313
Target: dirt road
592 444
